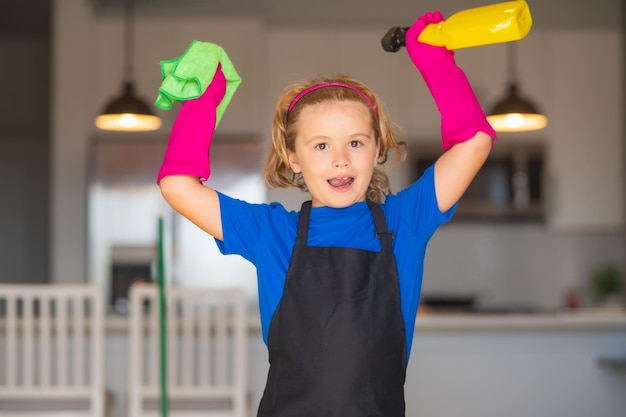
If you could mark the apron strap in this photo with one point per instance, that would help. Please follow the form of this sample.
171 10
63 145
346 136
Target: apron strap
303 223
382 232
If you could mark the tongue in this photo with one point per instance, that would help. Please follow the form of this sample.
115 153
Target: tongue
339 182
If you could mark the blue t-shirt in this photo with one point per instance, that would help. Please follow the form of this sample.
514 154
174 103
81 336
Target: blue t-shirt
265 234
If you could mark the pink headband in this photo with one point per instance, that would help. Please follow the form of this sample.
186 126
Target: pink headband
317 87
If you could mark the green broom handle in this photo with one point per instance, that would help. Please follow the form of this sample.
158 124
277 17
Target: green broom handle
162 322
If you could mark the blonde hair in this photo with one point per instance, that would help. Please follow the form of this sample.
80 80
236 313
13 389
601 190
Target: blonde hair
277 172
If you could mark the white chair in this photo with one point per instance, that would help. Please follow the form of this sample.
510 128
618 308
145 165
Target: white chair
207 339
51 350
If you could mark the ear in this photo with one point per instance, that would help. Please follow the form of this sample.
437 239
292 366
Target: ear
294 164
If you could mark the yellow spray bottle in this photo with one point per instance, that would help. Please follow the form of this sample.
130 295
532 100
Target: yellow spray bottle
484 25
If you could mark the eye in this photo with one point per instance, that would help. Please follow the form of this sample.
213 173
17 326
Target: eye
355 143
321 146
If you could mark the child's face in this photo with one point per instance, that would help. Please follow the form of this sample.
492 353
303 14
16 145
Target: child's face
335 151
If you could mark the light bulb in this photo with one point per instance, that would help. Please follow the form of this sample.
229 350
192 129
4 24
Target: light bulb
128 120
514 120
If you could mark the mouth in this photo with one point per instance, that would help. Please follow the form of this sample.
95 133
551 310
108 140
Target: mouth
341 183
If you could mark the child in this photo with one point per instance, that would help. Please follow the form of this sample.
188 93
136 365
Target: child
339 281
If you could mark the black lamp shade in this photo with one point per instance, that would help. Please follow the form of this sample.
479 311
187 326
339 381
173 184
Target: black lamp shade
516 114
513 103
127 103
128 113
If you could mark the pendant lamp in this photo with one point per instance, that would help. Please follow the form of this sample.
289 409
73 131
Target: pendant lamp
128 112
515 113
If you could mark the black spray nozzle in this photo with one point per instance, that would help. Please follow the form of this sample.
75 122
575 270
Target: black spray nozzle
394 39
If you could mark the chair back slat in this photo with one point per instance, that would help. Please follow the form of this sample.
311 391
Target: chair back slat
45 344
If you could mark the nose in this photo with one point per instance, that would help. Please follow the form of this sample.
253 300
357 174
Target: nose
341 159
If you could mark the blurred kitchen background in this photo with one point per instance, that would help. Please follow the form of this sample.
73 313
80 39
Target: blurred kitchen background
80 204
64 60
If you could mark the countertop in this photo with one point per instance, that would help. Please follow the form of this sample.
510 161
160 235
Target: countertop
581 319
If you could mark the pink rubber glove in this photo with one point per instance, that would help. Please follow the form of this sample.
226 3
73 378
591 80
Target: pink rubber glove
188 147
461 114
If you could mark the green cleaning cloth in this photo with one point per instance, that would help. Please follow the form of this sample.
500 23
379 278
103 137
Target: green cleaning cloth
189 75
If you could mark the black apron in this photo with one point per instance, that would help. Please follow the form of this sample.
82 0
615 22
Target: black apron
337 342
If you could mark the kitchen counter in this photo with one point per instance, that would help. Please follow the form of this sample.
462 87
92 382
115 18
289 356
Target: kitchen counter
582 319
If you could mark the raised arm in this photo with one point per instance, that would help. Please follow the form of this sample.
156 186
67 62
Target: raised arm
466 135
198 203
186 162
